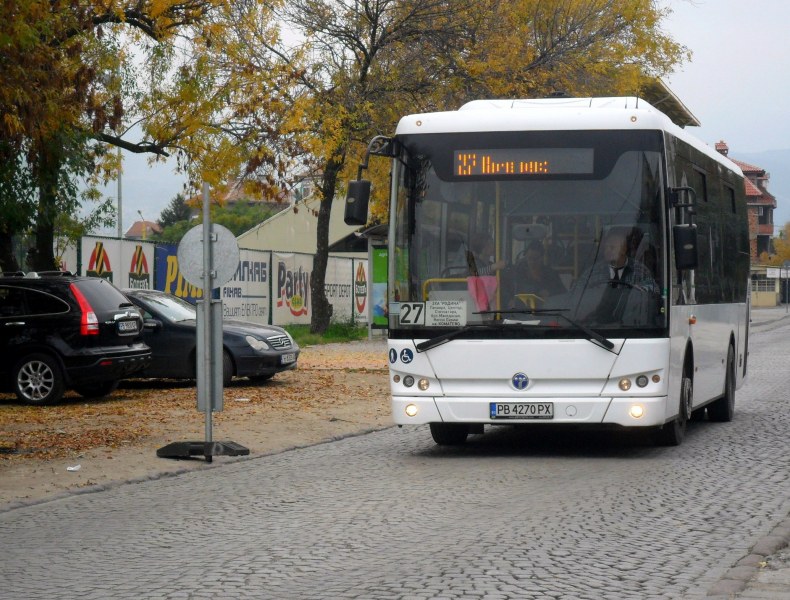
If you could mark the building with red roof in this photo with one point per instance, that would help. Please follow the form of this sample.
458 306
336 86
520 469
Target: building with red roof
760 203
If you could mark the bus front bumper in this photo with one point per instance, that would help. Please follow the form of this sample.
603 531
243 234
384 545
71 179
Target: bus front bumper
624 411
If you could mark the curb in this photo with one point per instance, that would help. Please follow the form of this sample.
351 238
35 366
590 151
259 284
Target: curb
738 578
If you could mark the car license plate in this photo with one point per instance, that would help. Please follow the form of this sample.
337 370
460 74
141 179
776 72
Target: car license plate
287 358
127 326
522 410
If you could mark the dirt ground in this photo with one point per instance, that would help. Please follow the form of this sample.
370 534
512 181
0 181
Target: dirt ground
337 390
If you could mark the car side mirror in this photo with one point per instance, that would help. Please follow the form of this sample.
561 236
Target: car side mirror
686 253
357 198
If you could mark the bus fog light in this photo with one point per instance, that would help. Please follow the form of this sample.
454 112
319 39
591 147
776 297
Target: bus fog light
408 381
641 381
411 410
423 384
625 384
636 411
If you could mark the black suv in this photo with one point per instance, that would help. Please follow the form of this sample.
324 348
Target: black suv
61 331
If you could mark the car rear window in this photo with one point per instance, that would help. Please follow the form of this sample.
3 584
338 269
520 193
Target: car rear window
102 295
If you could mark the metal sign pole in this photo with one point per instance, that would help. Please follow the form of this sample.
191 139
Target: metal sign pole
208 257
208 359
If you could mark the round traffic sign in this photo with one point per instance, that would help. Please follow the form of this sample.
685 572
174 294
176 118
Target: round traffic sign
224 256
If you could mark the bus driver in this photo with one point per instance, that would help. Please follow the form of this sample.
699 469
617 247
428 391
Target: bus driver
619 271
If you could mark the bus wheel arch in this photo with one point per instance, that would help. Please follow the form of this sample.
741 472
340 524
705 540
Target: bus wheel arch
672 432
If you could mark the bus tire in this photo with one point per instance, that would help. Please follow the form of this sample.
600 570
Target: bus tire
723 409
449 434
672 433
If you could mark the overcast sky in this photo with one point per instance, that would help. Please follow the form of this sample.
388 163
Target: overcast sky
735 85
737 80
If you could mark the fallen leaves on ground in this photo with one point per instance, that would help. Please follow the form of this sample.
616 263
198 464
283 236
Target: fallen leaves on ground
325 378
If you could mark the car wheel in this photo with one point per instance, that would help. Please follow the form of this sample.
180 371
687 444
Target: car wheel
227 368
672 433
449 434
38 380
723 409
97 390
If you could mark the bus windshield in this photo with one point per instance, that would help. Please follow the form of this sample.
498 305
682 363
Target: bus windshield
527 233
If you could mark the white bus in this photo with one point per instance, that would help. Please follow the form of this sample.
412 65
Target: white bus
539 327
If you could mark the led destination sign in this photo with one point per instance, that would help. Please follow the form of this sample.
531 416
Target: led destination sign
523 161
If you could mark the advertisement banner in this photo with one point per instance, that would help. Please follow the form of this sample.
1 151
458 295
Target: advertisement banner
125 263
291 288
168 277
379 295
136 266
246 296
339 289
100 258
361 290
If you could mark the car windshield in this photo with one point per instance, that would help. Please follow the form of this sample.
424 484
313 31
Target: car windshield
170 307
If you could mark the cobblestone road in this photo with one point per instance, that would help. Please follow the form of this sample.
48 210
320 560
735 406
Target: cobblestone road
389 515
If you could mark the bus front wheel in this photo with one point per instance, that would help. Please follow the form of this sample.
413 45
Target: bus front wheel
672 433
449 434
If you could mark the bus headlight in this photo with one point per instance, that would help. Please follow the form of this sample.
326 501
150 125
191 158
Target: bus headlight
423 384
411 410
625 384
636 411
408 381
641 381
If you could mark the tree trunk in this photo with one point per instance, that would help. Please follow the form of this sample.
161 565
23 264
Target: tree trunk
322 309
42 255
8 260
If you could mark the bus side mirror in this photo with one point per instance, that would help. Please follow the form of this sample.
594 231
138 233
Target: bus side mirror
357 198
686 255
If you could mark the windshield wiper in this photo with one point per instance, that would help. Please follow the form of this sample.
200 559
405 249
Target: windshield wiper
592 335
446 337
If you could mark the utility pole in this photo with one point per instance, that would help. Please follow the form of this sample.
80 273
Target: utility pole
120 195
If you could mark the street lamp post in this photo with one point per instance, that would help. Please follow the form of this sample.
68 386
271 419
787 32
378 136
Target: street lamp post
142 219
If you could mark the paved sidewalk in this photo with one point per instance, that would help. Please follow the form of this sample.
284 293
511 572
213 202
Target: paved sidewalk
764 574
772 315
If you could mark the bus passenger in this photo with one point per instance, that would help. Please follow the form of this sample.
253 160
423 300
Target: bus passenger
532 275
481 258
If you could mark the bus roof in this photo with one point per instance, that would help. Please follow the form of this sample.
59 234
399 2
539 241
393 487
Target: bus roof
547 114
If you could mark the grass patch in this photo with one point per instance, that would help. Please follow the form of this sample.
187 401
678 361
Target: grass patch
336 332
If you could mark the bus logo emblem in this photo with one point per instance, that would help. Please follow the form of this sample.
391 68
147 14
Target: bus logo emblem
520 381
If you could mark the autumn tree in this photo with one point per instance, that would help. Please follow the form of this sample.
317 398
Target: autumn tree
66 81
356 66
781 249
